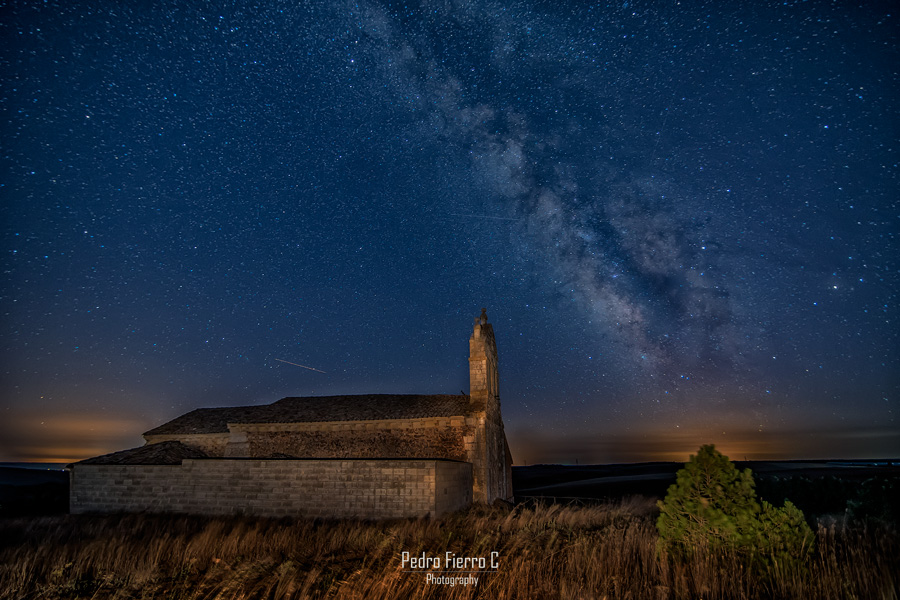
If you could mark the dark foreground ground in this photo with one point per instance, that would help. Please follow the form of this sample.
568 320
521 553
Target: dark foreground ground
33 491
817 487
543 551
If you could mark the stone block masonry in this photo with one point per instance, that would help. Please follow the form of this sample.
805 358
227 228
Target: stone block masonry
397 438
371 489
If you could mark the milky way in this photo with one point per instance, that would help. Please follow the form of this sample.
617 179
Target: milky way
681 218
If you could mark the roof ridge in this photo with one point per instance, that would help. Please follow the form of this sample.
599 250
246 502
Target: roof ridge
170 452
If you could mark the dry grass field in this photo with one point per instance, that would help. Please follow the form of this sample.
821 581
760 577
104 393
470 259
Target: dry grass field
554 551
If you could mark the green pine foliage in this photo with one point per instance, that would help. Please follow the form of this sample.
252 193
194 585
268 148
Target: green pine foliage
713 508
784 540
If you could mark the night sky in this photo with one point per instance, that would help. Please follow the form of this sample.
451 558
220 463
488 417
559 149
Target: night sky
682 218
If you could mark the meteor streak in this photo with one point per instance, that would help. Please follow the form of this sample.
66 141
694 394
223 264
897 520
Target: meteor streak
296 365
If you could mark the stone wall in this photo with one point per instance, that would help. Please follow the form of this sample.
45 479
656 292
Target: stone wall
374 489
500 471
435 437
452 483
213 444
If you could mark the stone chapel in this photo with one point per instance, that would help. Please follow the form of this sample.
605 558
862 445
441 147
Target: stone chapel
364 456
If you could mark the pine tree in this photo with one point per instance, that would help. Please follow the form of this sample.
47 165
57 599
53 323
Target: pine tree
712 507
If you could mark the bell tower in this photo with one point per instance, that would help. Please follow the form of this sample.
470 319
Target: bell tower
483 380
486 445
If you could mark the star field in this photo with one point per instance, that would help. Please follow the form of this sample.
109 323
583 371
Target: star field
681 217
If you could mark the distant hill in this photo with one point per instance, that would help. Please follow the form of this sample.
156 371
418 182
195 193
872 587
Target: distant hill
33 491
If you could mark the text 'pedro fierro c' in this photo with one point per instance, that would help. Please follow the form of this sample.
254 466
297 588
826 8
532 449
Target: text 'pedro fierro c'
441 569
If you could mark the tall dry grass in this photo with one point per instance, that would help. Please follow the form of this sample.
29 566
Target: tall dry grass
555 551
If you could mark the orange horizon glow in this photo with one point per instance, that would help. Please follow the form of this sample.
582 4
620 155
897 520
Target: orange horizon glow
656 445
68 438
71 438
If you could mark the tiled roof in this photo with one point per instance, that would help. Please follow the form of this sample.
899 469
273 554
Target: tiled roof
208 420
163 453
318 409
